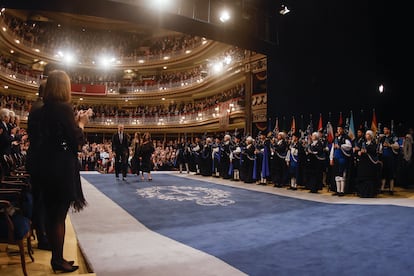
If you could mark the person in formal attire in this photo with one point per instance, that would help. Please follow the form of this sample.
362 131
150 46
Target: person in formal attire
56 137
146 151
91 161
183 155
120 146
407 164
262 158
216 148
235 157
359 141
206 158
5 141
292 161
135 160
314 165
225 157
39 212
389 150
368 167
279 171
249 156
196 149
340 158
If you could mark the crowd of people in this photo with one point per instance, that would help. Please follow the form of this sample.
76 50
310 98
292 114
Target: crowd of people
88 43
171 108
367 165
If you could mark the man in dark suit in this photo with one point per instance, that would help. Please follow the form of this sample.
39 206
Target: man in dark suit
5 132
120 146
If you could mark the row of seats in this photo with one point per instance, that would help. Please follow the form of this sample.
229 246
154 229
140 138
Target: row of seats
16 207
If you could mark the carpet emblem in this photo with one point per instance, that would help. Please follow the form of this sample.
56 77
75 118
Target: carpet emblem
202 196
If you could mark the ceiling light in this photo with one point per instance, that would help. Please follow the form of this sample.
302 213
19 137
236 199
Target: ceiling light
381 88
284 10
224 16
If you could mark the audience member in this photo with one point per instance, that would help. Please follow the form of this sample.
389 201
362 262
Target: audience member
56 136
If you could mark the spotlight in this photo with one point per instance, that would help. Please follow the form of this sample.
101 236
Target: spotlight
381 88
224 16
285 10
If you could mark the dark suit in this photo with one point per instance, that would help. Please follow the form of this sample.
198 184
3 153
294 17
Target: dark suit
5 139
121 149
5 148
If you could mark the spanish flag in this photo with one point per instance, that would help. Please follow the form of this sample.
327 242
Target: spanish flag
374 124
329 133
351 129
320 126
293 125
340 120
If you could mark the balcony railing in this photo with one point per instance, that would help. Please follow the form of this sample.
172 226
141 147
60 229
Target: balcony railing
127 60
212 113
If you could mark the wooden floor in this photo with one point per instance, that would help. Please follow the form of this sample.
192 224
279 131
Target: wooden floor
10 263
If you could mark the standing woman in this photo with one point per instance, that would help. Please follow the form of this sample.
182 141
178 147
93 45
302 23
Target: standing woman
136 145
56 137
368 167
146 151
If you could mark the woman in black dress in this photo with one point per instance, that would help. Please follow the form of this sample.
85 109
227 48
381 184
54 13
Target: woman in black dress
368 167
145 153
56 137
135 162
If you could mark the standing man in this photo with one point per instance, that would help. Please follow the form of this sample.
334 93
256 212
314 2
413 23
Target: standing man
340 159
120 147
389 151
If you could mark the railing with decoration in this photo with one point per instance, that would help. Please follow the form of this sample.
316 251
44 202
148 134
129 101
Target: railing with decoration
217 112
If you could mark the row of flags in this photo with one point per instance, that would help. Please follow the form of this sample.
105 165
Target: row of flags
349 126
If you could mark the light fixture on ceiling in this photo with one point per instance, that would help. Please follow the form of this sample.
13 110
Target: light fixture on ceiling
381 88
285 10
224 16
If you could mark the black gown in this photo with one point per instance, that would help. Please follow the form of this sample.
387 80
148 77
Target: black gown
206 161
145 152
368 172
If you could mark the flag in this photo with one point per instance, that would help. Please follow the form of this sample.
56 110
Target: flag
293 125
329 132
269 124
320 126
351 129
276 128
340 121
310 125
302 123
374 123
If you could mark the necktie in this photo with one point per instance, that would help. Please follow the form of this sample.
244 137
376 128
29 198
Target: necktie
120 137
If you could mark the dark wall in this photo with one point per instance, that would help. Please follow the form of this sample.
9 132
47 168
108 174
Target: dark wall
331 58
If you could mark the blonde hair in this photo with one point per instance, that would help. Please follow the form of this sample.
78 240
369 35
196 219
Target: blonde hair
146 136
57 87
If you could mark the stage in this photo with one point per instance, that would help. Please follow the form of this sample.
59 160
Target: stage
185 224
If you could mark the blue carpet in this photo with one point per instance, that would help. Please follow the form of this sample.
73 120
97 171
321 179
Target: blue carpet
264 234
